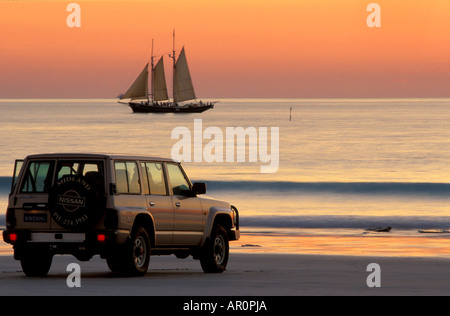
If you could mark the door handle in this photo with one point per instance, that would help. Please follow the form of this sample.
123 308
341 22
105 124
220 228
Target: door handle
177 204
151 203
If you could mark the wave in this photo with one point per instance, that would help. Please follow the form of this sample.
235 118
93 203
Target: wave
369 188
347 221
338 222
5 185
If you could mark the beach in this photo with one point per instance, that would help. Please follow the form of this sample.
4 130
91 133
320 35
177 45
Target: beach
282 267
351 165
247 275
323 126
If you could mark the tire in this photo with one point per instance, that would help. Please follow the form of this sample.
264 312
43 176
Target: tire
115 261
75 202
35 263
133 258
214 255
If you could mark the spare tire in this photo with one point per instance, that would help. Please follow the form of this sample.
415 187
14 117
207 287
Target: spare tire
76 202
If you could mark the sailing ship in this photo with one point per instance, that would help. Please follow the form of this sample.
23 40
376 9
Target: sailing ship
157 101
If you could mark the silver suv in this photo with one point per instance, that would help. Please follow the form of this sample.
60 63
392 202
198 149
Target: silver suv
124 208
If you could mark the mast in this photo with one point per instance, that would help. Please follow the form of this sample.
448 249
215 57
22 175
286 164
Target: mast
182 87
174 65
152 89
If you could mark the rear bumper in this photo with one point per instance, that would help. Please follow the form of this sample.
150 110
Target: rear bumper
82 245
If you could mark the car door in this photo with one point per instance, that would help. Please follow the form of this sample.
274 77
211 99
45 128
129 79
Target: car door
159 202
31 199
188 223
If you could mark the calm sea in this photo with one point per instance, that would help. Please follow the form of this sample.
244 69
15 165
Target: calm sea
344 164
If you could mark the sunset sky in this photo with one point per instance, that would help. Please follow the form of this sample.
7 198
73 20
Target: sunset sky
235 48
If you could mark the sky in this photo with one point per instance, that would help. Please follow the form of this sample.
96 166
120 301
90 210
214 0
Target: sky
235 48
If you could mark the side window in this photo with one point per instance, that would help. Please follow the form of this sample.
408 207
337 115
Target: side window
178 182
155 178
37 177
121 177
127 177
145 178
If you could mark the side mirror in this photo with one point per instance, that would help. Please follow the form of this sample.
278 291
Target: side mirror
199 188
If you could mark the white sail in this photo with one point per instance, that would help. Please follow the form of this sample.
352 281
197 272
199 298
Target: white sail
139 88
182 86
159 82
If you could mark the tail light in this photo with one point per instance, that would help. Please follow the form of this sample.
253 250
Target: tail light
101 238
13 237
10 218
10 237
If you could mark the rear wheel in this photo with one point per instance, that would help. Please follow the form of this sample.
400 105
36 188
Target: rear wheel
134 257
214 256
36 263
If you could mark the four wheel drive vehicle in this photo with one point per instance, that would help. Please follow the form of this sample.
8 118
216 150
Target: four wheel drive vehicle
124 208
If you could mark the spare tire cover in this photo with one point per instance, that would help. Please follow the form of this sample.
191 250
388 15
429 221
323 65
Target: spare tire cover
74 202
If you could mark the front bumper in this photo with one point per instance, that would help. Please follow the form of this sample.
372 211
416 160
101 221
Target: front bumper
234 234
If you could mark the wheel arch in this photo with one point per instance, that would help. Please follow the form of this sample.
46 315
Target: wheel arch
146 221
217 216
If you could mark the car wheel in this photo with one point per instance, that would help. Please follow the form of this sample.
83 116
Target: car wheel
214 256
137 253
35 263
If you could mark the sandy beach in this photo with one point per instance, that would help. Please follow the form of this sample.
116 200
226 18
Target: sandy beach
247 275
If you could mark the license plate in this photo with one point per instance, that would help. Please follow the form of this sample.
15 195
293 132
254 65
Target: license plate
35 218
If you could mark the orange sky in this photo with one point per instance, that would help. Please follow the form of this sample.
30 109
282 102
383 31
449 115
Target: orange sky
235 48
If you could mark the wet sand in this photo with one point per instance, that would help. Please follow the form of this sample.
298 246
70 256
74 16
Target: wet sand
247 275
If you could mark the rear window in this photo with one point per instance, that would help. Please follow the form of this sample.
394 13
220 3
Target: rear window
38 177
79 168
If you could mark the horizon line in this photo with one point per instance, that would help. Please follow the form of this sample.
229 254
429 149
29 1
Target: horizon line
234 98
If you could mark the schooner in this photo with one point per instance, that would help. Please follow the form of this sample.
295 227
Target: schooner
157 101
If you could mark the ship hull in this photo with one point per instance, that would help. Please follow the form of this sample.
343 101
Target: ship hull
152 108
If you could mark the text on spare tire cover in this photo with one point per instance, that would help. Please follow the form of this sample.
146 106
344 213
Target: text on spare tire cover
71 201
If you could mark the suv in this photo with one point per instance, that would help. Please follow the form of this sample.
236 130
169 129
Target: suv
123 208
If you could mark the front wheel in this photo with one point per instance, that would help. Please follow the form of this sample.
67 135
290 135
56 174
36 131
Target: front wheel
214 256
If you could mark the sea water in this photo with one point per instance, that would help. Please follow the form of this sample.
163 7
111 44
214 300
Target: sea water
345 165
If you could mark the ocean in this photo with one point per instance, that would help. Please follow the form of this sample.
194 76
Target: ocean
344 165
